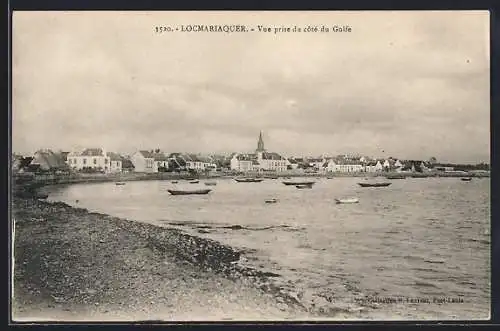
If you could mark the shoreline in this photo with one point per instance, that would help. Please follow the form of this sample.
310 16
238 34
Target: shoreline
38 181
72 264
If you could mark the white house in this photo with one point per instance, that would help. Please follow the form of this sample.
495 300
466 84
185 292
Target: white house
270 161
316 163
96 159
115 162
149 161
244 162
374 166
199 163
349 166
330 166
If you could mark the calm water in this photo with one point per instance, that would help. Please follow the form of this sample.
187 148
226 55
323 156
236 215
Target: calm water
418 239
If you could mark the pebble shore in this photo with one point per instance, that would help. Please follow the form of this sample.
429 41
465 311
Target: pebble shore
73 265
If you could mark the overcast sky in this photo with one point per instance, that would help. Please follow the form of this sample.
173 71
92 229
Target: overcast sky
404 84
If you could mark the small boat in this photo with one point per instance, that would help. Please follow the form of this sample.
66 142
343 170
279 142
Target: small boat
210 183
188 192
41 196
271 177
347 200
174 182
303 186
298 183
194 181
119 183
329 177
466 179
382 184
395 177
248 180
274 200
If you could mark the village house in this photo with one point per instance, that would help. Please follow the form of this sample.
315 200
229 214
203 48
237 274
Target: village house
342 165
349 166
374 166
392 165
414 166
127 165
115 162
176 162
329 165
95 159
316 163
244 162
149 161
47 160
199 163
271 161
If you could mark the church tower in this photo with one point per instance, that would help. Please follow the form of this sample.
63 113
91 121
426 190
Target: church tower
260 144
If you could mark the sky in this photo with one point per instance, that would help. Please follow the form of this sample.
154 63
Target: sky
411 85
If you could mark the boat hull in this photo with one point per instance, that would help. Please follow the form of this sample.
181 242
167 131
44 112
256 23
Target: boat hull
194 192
300 187
298 183
374 184
396 177
346 201
248 180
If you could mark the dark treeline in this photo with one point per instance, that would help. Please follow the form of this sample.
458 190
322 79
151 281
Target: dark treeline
465 167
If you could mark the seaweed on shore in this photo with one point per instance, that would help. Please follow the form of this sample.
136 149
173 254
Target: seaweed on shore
205 253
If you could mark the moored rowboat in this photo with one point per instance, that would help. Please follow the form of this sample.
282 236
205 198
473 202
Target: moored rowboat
274 200
374 184
298 183
303 186
210 183
347 200
248 180
188 192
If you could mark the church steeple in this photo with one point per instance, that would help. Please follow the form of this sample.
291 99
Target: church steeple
260 144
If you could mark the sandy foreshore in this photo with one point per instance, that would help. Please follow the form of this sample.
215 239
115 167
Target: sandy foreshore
73 265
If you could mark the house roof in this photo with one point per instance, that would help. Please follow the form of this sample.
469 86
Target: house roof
127 164
92 152
64 155
114 156
50 159
271 156
154 156
246 157
349 162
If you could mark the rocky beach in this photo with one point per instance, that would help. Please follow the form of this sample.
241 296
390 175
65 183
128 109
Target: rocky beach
73 265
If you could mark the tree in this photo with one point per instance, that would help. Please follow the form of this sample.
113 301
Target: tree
157 150
433 160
